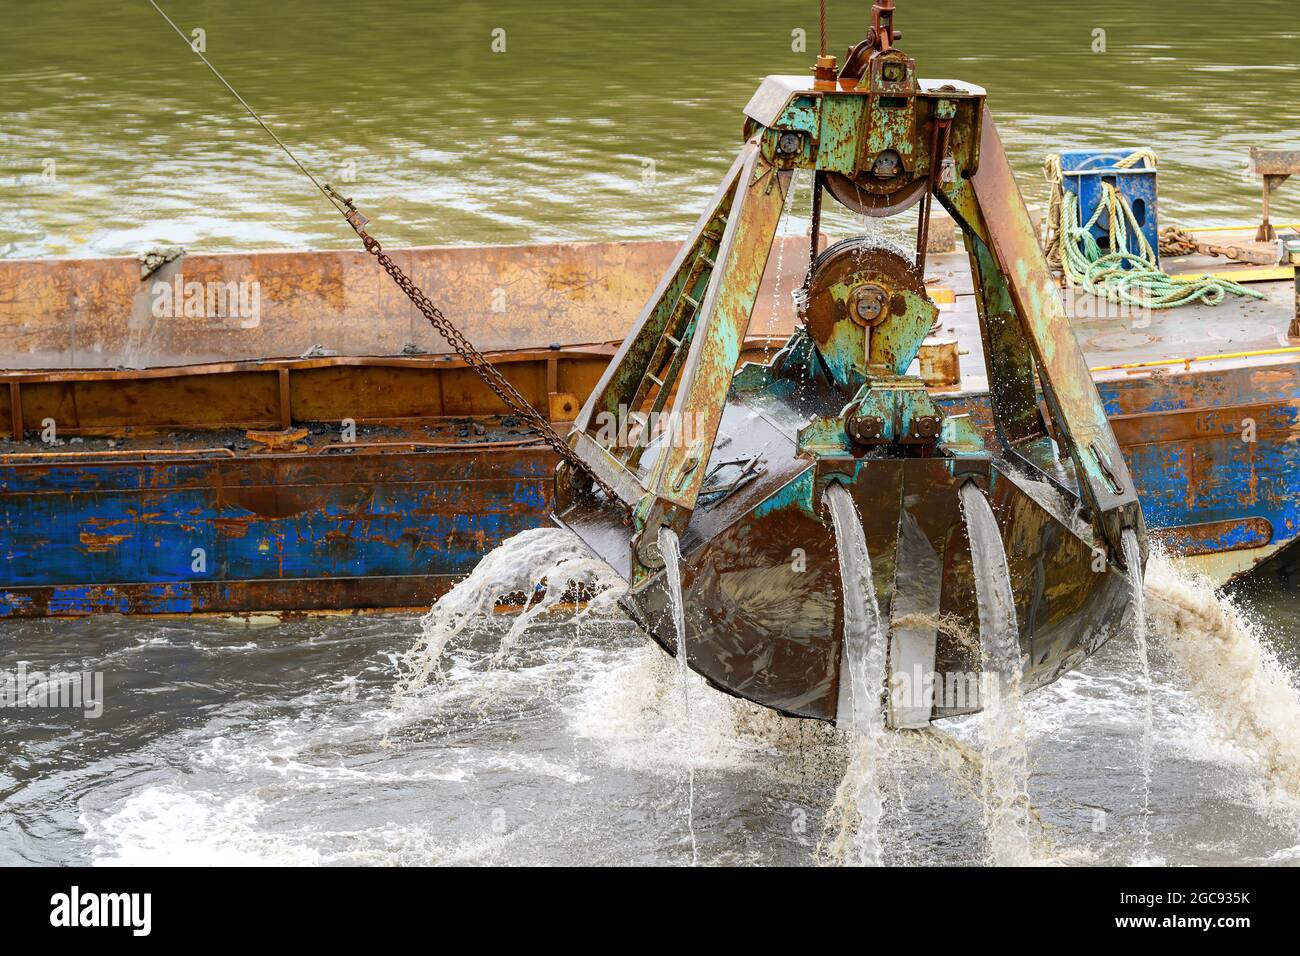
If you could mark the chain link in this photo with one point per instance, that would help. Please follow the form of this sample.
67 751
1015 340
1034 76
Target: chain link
1177 242
485 369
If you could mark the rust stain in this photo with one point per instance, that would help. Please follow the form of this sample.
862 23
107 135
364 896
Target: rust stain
231 527
100 543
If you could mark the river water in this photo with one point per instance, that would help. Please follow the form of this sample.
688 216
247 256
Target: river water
598 121
225 741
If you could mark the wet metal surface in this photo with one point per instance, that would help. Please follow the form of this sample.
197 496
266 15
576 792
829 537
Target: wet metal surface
748 577
379 525
100 313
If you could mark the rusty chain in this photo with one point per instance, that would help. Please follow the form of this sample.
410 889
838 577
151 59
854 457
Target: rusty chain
488 372
1177 242
475 359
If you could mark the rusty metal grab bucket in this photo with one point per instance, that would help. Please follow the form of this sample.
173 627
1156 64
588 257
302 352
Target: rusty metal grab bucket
736 463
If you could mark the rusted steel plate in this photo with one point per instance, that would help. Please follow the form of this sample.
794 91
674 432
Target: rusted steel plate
388 593
100 314
275 394
259 531
1194 423
1202 388
1060 362
1208 450
1214 537
1274 162
343 528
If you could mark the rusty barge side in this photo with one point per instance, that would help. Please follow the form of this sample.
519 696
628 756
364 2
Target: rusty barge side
205 463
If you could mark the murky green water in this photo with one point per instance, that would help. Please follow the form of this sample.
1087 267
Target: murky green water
446 141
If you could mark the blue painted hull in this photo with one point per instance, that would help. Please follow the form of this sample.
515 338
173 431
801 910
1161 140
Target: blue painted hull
395 528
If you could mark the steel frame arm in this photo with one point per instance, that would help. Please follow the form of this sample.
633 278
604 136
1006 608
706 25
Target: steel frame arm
734 237
724 320
618 383
1010 269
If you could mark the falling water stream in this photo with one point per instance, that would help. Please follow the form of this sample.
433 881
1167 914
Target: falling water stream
1133 562
778 305
1006 770
536 569
671 550
858 803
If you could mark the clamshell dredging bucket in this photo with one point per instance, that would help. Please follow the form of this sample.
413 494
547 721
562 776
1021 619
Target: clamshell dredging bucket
763 595
736 463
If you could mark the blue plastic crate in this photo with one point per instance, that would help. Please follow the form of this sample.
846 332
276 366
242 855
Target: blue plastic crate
1083 172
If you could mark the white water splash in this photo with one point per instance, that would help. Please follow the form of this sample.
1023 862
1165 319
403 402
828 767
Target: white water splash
1133 560
630 708
539 569
168 825
670 548
1233 674
1006 762
859 804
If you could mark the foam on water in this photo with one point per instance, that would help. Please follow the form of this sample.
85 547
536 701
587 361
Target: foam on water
628 708
172 825
1232 673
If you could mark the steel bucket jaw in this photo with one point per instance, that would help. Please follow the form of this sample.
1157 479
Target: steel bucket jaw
761 574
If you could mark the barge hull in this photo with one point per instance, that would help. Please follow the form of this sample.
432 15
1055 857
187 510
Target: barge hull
156 417
370 529
387 527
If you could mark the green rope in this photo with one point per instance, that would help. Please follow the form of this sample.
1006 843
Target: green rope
1121 275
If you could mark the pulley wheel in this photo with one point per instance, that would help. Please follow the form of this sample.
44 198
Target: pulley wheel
859 279
874 198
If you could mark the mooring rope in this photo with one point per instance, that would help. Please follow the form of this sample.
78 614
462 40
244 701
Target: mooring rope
1128 273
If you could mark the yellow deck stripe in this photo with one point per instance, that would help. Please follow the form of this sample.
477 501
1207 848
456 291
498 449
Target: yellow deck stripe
1254 228
1290 350
1257 274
